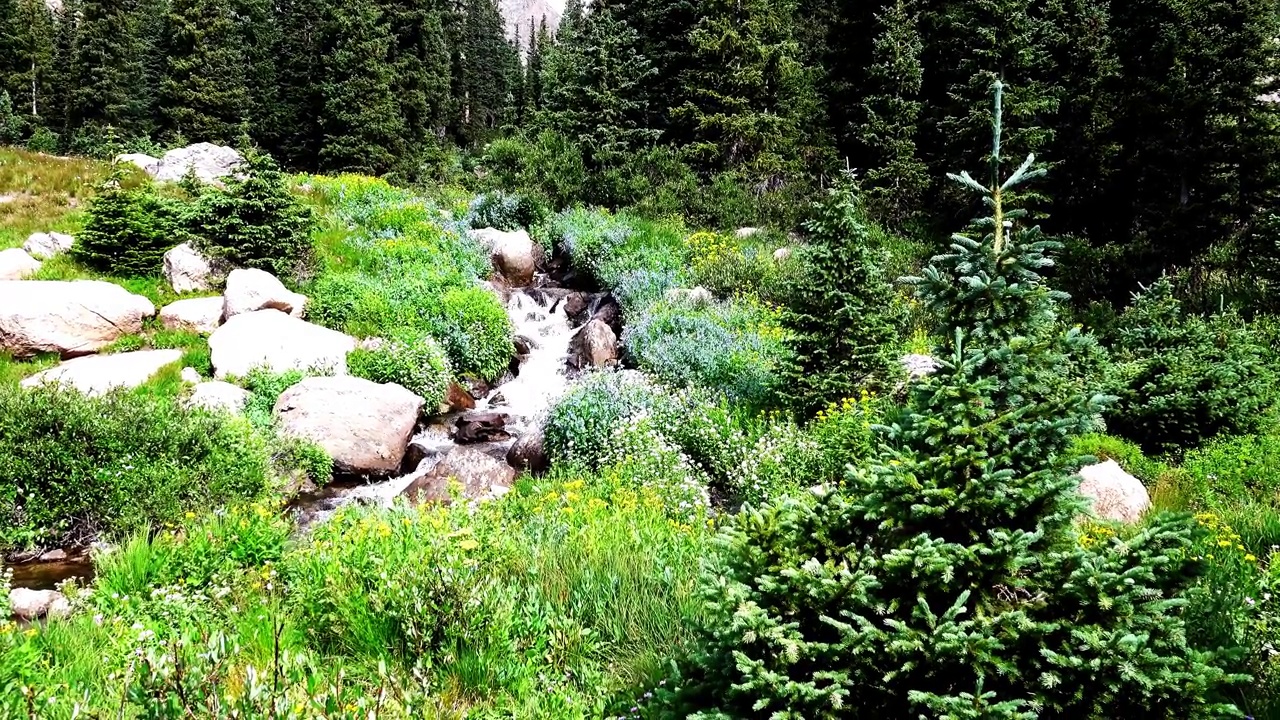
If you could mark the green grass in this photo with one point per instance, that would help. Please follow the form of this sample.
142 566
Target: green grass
48 193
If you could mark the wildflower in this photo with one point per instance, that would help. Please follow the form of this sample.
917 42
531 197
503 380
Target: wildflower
190 515
469 544
1250 557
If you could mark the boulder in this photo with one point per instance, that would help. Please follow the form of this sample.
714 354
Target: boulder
479 476
457 398
146 162
43 246
746 232
187 270
481 427
428 446
252 290
16 264
190 376
918 366
696 297
69 318
36 604
98 374
596 345
210 162
365 427
511 253
201 315
271 339
575 308
782 254
528 452
1114 493
218 396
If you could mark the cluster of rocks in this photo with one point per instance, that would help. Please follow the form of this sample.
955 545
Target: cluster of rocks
207 161
21 263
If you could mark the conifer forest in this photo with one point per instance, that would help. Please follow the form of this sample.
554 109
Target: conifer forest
639 359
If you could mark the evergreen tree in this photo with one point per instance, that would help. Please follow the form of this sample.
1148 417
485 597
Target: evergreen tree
945 579
420 65
540 44
259 36
594 99
11 125
750 98
204 97
363 130
108 70
31 81
485 65
63 73
835 307
662 35
300 54
896 178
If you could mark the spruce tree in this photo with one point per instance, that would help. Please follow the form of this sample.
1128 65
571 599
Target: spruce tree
204 97
945 579
662 35
300 54
420 65
31 82
896 178
108 69
485 65
361 124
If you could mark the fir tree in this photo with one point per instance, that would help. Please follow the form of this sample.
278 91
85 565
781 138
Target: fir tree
361 123
31 82
662 35
420 62
108 71
945 579
204 97
485 65
540 45
896 178
300 54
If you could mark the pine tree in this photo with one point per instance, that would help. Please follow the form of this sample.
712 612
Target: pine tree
259 35
750 99
896 178
204 97
485 65
538 47
662 35
300 53
420 63
109 72
31 82
945 579
362 127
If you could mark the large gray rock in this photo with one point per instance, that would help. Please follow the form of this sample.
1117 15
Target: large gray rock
43 246
278 342
69 318
250 290
697 297
17 264
209 161
98 374
36 604
596 345
479 477
218 396
146 162
365 427
186 270
918 366
511 254
201 315
1115 494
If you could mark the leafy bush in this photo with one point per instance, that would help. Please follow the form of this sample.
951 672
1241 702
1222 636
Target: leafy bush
256 222
581 424
727 265
415 362
72 465
736 347
837 306
475 331
1182 379
502 210
588 236
550 167
128 230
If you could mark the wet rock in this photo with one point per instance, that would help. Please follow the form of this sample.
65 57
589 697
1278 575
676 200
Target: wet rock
473 474
596 345
69 318
575 308
272 339
218 396
99 374
187 270
43 246
200 315
498 399
36 604
478 388
250 290
57 555
528 453
365 427
481 427
430 444
457 398
1114 493
17 264
523 345
511 253
610 313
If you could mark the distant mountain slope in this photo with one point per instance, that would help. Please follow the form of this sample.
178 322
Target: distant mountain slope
518 13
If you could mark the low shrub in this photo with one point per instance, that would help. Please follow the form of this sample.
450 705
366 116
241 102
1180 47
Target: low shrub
581 424
502 210
590 237
128 231
413 361
1229 470
71 466
1182 379
727 265
475 331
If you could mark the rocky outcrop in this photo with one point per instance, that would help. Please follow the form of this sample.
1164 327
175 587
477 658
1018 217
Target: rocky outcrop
1114 493
511 253
481 427
17 264
477 477
200 315
365 427
218 396
37 604
596 345
252 290
210 162
69 318
187 270
43 246
99 374
272 339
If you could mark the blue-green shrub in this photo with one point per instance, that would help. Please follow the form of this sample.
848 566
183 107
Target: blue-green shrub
415 362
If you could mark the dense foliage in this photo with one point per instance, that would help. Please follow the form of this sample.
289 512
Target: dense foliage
130 229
